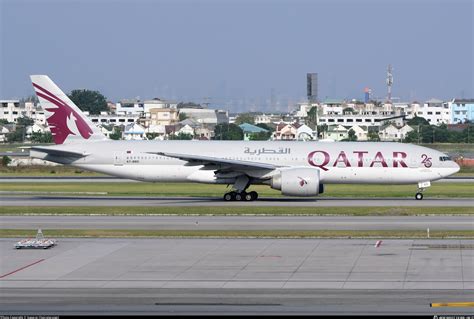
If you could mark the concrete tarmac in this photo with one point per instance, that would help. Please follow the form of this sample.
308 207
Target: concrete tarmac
237 276
240 222
28 200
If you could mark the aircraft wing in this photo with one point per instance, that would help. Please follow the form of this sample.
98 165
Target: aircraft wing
59 152
224 163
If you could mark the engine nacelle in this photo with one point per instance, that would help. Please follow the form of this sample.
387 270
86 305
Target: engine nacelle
297 182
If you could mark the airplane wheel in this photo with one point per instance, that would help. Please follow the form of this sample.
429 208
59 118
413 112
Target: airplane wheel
254 195
229 196
419 196
248 197
240 196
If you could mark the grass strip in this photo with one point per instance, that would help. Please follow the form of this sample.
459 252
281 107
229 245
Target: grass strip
444 189
45 171
242 210
114 233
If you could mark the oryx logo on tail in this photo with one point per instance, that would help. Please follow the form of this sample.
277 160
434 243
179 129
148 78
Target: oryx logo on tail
64 121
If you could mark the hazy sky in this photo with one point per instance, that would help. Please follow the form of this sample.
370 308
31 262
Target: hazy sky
237 54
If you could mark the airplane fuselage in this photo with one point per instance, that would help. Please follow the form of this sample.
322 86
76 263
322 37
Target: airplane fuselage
337 162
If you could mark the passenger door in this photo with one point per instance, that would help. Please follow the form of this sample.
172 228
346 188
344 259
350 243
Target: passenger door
118 158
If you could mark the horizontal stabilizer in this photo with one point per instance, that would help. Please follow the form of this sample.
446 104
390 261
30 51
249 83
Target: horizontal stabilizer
56 152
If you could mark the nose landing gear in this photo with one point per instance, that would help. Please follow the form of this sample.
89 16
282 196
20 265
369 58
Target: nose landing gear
421 188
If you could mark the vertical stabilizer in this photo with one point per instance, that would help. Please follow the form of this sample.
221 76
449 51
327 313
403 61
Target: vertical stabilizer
65 120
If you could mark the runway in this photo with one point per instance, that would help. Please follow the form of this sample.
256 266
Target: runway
240 222
239 301
237 276
92 201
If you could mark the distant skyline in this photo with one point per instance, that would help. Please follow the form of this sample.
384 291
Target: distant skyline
239 55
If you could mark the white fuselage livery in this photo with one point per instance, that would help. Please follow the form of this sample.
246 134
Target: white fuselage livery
338 162
295 168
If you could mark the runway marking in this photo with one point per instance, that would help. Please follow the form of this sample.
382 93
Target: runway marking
17 270
453 304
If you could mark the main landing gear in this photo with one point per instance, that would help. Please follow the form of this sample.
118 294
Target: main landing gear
241 184
242 196
421 188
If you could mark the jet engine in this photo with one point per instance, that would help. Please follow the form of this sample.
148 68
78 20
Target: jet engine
298 182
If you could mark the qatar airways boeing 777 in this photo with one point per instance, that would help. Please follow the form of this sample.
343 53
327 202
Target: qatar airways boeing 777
294 168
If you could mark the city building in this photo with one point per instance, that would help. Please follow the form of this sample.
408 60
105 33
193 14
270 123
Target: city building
203 133
105 130
361 131
268 119
129 107
312 87
158 103
11 110
113 119
137 107
134 131
186 129
462 110
390 132
250 129
4 131
206 116
337 132
160 116
158 130
435 111
356 119
37 128
304 132
284 131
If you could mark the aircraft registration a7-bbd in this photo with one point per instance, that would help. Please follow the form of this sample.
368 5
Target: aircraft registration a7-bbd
294 168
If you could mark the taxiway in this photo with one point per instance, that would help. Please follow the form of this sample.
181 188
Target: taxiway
240 222
39 200
237 276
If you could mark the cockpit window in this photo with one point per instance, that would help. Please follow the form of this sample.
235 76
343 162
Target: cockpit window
445 158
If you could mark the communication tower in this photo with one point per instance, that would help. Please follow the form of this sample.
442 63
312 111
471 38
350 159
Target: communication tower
312 87
367 93
389 83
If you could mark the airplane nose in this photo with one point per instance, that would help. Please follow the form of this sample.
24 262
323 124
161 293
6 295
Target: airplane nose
456 168
450 169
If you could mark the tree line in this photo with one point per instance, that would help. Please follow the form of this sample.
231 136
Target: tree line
423 133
